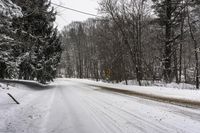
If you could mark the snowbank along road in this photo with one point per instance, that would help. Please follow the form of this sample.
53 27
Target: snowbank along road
73 107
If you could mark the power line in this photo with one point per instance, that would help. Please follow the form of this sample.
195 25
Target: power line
74 10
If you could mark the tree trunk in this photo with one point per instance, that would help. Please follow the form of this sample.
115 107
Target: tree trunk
181 48
176 67
196 52
167 52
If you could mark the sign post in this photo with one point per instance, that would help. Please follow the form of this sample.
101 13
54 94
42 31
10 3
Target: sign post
11 96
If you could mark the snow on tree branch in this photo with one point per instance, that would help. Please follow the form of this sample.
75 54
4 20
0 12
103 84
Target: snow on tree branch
9 9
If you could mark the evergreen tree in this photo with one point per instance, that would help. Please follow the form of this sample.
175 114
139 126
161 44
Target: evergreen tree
169 14
9 47
43 47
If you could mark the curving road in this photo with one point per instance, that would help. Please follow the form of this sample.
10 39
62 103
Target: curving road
72 107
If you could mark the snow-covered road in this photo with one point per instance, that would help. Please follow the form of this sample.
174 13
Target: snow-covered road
72 107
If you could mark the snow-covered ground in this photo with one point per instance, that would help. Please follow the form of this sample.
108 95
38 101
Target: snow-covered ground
170 91
73 106
160 84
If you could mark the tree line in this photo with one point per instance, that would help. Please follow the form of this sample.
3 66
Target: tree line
136 39
30 46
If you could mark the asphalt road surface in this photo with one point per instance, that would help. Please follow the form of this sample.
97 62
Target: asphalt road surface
73 107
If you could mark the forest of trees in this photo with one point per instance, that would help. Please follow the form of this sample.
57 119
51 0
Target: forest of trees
136 39
30 46
154 40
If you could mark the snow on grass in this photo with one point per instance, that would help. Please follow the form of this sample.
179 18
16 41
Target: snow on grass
160 84
168 92
30 114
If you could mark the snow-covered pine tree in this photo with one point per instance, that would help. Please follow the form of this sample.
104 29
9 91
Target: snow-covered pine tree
169 15
43 52
9 51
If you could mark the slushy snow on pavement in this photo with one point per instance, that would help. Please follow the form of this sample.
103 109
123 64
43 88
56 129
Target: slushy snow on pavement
73 106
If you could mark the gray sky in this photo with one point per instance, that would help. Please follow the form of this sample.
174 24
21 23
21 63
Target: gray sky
65 17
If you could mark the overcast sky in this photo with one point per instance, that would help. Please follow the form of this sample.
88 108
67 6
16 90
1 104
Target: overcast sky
65 17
